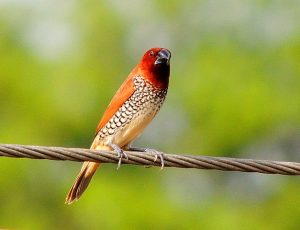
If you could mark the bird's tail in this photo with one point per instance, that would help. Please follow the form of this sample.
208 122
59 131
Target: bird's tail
82 181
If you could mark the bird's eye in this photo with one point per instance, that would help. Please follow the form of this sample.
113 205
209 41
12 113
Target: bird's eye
151 53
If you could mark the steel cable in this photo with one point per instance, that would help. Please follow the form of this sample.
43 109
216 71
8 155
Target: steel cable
147 159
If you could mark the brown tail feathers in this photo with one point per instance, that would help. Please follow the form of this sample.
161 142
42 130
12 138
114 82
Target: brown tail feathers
82 181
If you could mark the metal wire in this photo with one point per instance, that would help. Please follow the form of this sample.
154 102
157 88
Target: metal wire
147 159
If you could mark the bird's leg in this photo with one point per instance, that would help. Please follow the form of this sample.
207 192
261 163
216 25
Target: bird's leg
120 152
153 151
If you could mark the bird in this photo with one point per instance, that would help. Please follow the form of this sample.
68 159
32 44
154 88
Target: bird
131 109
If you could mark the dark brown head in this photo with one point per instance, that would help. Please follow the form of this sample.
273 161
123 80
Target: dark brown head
155 67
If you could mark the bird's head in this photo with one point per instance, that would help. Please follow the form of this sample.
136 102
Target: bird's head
155 66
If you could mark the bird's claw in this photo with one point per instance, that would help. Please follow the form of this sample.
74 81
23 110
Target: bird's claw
154 152
120 153
156 155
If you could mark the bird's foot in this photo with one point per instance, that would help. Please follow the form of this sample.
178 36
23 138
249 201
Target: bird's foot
120 152
154 152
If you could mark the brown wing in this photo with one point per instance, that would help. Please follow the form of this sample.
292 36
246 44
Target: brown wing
123 93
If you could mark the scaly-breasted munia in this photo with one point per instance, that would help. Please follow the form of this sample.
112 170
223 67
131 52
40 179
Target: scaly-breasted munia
131 109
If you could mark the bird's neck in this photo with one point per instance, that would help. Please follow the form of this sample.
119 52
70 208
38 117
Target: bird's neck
158 77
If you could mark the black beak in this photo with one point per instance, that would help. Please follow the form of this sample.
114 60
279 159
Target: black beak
163 57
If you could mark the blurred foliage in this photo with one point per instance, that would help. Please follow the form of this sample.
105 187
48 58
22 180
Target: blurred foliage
234 91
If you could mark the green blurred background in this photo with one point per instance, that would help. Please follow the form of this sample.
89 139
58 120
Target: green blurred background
234 91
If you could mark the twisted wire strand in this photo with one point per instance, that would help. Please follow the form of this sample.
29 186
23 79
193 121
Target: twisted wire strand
147 159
